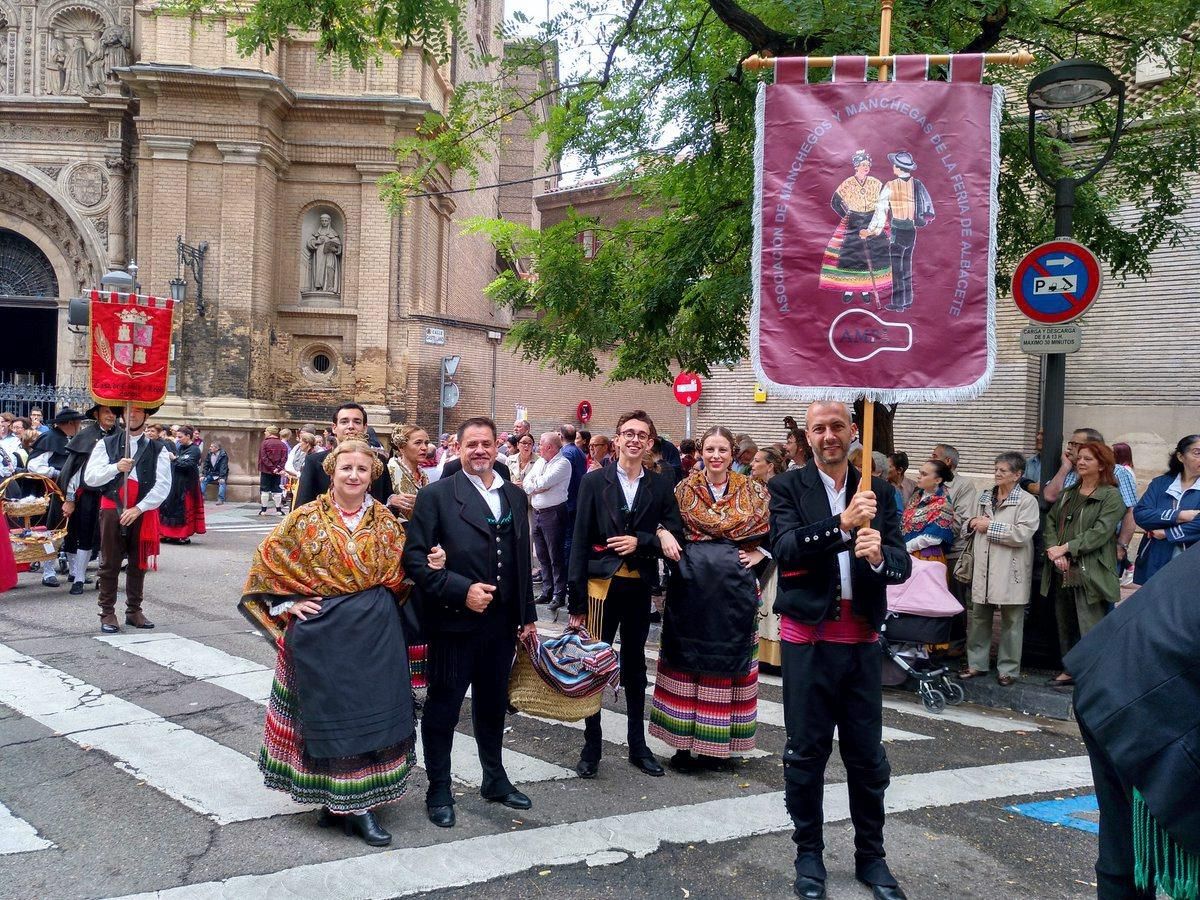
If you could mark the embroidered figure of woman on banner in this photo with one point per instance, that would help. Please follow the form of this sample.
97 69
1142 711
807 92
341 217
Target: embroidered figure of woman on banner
897 303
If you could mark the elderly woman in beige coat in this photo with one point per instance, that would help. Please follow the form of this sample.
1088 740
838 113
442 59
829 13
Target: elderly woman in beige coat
1003 530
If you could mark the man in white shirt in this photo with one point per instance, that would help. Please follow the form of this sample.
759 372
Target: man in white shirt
547 484
133 483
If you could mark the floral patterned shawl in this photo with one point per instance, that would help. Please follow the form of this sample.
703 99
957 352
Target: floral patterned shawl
929 514
740 516
312 554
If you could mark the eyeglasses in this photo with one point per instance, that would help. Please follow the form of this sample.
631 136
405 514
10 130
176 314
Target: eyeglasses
630 435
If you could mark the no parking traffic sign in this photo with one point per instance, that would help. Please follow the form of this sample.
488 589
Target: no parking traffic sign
1056 282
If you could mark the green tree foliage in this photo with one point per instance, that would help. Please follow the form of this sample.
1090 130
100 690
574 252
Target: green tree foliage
668 97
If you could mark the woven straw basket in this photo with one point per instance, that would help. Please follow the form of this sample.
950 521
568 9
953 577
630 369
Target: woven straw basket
530 693
30 545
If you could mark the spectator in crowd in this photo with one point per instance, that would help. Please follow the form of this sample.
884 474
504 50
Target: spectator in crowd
511 447
272 457
896 475
600 447
215 468
521 461
521 428
583 440
547 486
706 687
964 500
579 466
1080 534
928 521
688 456
1002 531
1033 466
285 435
182 513
1123 454
769 462
746 448
13 442
1169 510
409 445
36 420
5 426
798 450
1067 477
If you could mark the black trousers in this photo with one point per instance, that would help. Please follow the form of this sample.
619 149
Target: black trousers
549 526
481 659
901 252
827 685
1114 858
627 607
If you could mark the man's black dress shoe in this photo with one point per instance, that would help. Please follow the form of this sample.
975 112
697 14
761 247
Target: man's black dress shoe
885 891
647 764
809 888
514 799
106 628
76 587
585 768
441 816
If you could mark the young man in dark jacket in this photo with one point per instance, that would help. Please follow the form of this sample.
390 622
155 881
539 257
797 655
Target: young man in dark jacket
215 468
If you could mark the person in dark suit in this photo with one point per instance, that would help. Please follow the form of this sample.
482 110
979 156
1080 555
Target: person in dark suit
473 609
626 520
1137 701
837 551
349 420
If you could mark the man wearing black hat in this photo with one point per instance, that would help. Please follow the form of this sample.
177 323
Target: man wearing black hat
911 207
47 458
133 481
83 502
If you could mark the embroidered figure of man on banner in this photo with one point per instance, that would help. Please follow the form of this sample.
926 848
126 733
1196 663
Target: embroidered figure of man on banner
854 261
910 207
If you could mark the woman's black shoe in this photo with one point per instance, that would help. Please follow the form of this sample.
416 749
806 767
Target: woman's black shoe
683 761
367 827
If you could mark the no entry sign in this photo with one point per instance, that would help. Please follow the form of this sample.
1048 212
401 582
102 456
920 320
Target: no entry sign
1056 282
687 388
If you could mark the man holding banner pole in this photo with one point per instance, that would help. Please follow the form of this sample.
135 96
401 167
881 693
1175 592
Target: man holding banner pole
837 550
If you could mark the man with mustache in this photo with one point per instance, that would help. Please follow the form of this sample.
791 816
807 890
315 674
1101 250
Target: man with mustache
837 550
472 611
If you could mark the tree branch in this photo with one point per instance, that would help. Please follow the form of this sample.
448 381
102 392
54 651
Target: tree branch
634 9
759 34
991 29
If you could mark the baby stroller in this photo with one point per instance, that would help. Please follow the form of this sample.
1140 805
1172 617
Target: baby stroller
920 616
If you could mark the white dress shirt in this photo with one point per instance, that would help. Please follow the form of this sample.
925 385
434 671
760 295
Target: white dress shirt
547 481
99 472
490 495
629 485
40 465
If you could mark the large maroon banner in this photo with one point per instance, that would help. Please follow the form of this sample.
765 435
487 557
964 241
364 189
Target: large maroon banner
874 237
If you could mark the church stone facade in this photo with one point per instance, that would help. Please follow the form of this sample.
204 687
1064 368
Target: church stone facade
123 129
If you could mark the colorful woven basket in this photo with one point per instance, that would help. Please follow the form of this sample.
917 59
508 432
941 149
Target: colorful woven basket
33 544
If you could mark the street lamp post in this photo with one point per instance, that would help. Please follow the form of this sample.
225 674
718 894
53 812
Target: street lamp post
1070 84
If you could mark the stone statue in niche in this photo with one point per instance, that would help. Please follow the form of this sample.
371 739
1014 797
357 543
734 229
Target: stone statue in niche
324 252
56 64
77 67
95 63
115 41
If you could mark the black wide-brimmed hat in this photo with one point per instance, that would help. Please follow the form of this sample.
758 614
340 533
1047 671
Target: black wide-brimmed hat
65 415
95 408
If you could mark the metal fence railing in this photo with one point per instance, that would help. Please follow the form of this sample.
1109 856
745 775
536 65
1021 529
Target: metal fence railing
21 392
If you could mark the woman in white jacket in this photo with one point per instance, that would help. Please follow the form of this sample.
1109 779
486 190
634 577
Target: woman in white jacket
1003 532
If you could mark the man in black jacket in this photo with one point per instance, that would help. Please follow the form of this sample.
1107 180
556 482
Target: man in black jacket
83 503
473 609
47 458
349 420
627 518
837 551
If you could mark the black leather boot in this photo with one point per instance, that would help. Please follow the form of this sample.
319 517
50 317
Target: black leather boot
367 827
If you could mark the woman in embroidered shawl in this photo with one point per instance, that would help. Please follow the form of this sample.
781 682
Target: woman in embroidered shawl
706 688
340 728
928 521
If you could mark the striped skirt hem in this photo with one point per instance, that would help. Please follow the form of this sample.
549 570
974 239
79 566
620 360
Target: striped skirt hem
709 715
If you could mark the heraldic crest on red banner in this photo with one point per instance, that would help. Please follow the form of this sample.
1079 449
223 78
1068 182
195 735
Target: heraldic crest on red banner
130 348
874 236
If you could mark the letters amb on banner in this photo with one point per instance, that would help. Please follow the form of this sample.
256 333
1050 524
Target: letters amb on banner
130 339
874 240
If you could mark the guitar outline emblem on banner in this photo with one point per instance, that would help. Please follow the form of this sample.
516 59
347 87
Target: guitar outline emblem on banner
869 336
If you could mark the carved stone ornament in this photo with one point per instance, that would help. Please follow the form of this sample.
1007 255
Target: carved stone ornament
29 202
323 233
76 55
87 185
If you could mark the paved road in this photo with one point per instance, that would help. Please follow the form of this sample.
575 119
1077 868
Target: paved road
127 768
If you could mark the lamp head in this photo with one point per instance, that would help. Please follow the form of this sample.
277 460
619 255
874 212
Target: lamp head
178 289
1071 84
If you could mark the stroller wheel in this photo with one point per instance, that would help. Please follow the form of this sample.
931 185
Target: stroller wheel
954 693
934 700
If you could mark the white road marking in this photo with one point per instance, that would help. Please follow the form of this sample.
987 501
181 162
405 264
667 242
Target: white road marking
960 716
17 835
253 681
407 871
204 776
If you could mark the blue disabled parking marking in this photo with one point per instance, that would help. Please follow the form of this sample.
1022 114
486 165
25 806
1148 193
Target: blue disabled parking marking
1070 812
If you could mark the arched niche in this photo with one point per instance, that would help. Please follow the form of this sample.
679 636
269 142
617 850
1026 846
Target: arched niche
73 55
322 254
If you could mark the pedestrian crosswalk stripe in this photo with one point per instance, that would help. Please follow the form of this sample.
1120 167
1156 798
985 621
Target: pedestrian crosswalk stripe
17 835
959 716
253 681
205 776
473 861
